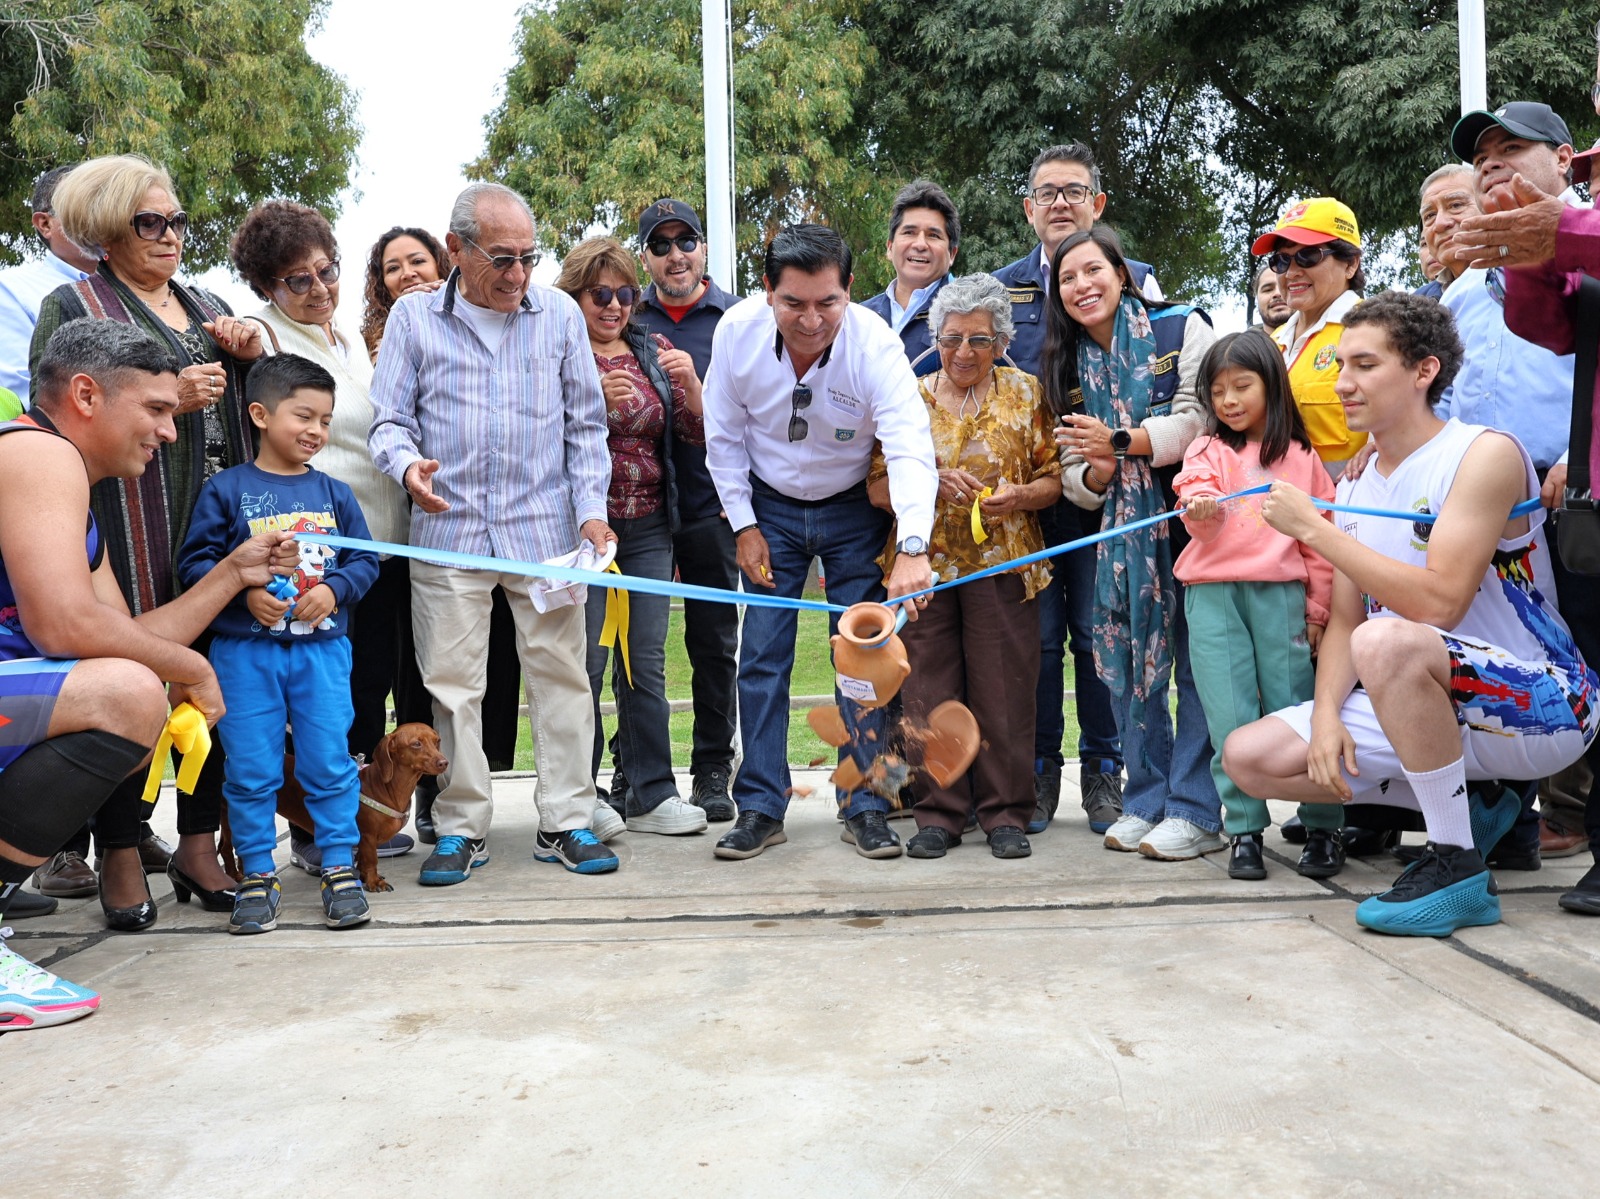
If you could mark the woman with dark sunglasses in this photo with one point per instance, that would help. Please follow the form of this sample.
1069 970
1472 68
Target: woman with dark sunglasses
1315 249
652 396
124 211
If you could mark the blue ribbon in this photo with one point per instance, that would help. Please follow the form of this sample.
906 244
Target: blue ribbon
759 599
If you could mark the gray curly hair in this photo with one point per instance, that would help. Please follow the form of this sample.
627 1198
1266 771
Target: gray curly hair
973 293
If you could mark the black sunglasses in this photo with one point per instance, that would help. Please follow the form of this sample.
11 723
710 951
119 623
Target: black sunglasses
662 246
626 296
797 423
300 283
153 226
504 262
1305 258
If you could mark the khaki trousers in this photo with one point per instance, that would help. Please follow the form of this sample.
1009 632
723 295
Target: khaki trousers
450 619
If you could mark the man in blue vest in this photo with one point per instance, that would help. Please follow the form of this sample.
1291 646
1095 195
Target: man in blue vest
1064 196
924 235
685 305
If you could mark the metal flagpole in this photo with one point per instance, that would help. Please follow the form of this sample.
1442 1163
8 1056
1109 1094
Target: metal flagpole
717 71
1474 66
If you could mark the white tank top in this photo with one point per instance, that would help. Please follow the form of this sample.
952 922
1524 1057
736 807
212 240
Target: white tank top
1508 611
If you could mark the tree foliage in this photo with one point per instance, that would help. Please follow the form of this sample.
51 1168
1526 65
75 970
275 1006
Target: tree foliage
221 92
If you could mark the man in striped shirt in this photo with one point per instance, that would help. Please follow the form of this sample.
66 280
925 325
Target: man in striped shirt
488 410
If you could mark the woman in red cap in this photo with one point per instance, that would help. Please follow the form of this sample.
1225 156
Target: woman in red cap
1316 248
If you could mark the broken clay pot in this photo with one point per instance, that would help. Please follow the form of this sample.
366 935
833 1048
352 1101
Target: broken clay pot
869 659
828 724
951 742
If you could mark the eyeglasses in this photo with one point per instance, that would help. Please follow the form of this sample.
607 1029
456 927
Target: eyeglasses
1305 257
1075 193
662 246
797 423
153 226
504 262
978 341
300 282
625 296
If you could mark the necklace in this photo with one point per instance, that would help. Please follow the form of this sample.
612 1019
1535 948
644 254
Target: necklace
971 397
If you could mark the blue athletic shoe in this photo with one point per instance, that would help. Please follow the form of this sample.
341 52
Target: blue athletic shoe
1445 889
452 860
577 849
1491 819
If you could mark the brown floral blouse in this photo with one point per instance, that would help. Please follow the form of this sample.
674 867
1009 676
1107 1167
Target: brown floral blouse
1009 438
635 429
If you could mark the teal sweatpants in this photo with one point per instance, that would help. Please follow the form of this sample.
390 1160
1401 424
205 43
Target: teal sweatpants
1248 650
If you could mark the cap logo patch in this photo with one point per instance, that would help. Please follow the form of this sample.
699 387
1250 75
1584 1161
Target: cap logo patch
1294 214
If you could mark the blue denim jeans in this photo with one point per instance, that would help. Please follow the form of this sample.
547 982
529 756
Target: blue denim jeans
847 534
644 740
1066 613
1169 775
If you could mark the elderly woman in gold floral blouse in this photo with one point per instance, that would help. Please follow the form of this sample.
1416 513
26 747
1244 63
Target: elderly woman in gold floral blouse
979 643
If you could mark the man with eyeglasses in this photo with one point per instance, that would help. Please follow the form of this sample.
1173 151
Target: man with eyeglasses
802 383
22 287
924 236
1064 197
685 304
488 410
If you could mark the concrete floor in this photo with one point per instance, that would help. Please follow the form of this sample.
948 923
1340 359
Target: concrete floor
810 1023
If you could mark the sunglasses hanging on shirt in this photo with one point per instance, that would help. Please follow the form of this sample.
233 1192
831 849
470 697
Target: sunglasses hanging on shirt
801 399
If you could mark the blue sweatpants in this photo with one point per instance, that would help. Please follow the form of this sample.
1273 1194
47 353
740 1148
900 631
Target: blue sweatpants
266 682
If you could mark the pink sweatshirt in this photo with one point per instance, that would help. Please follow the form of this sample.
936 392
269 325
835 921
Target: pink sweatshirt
1237 545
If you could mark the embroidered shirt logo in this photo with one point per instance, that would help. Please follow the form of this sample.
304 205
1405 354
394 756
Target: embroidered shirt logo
844 434
1324 358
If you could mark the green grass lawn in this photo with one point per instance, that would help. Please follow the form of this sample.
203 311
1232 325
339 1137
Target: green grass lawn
813 675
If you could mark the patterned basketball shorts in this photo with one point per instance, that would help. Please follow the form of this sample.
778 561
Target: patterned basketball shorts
28 690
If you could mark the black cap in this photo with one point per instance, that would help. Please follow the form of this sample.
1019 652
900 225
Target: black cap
663 211
1536 122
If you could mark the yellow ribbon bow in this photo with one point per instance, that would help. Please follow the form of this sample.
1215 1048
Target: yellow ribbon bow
186 729
979 533
616 625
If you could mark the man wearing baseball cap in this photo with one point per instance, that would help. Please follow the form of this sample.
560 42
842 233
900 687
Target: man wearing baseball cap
685 304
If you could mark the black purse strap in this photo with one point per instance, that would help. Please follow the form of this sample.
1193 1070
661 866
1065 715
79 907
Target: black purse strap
1587 352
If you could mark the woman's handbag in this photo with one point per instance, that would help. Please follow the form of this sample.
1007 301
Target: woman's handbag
1578 520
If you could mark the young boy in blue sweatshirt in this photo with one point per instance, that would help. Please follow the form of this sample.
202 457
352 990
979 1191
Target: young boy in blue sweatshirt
286 659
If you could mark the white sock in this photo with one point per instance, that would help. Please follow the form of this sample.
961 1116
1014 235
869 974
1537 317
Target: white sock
1442 796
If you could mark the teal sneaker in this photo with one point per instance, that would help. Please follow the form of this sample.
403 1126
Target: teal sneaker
255 904
32 997
1492 817
453 859
344 903
1445 889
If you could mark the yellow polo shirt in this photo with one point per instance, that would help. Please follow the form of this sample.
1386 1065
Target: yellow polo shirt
1313 371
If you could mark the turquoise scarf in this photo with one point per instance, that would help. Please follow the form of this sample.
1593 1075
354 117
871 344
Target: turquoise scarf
1133 590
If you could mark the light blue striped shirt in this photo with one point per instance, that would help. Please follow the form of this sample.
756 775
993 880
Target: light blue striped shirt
520 434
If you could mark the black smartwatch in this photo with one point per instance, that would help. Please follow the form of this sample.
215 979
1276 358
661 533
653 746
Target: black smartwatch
912 547
1121 439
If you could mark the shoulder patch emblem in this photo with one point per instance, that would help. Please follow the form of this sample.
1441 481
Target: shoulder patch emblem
1324 358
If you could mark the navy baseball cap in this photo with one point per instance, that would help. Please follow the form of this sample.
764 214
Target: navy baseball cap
1524 118
663 211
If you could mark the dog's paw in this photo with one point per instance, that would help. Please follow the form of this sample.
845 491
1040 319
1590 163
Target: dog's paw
383 885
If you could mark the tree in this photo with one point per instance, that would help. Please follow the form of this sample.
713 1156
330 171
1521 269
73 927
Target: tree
221 92
603 114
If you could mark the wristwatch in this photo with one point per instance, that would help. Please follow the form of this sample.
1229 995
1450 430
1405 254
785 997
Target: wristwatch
1121 439
912 547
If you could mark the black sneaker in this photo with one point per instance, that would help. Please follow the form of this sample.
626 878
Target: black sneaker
1008 841
578 849
1585 897
710 794
870 833
1046 796
1102 799
427 791
617 794
344 903
751 833
255 904
453 859
1244 857
931 842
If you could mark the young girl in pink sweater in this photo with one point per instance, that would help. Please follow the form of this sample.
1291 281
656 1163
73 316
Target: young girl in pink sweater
1257 601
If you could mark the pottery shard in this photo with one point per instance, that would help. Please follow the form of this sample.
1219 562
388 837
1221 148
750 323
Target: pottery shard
951 742
827 723
848 776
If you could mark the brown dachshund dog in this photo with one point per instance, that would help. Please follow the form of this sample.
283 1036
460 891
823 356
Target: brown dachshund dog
398 764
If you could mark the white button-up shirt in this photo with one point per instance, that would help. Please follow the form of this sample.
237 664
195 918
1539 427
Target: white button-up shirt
862 391
22 289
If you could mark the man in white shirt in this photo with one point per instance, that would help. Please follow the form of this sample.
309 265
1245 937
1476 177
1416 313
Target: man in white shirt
801 383
23 287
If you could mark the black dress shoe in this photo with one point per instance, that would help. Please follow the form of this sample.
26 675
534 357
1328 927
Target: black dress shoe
1514 854
1293 831
154 853
871 835
422 799
931 842
1244 857
128 920
25 904
1323 856
1368 842
1583 899
751 833
183 887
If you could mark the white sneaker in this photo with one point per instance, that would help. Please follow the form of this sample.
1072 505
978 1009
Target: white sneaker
670 817
1175 840
1125 835
606 823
